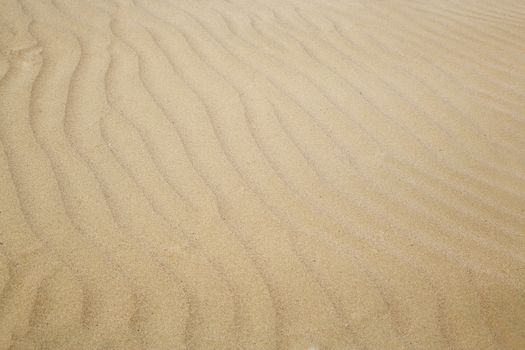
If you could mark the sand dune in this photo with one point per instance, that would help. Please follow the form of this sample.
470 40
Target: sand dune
248 174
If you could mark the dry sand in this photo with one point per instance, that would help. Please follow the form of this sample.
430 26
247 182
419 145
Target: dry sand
262 174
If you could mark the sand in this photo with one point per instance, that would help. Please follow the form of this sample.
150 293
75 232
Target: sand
249 174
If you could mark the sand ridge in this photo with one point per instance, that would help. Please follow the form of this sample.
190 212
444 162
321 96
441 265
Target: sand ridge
245 174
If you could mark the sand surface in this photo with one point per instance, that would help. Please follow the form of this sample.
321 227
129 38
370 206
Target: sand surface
262 174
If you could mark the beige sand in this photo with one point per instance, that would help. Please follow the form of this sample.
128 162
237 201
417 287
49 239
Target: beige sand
262 174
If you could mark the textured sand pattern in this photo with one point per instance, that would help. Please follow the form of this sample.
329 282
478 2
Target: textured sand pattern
262 174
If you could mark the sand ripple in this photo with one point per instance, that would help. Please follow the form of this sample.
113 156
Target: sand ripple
246 174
